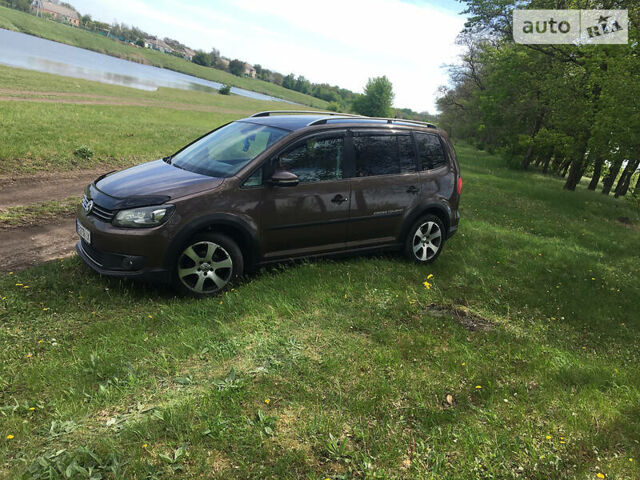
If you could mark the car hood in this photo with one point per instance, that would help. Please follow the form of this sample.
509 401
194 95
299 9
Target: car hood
157 179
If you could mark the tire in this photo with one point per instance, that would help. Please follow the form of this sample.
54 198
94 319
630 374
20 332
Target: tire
425 240
207 264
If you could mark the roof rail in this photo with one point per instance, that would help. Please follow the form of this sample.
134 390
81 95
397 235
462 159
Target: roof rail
347 117
304 112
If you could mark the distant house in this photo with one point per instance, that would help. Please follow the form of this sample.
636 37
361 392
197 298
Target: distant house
157 44
57 11
249 71
224 62
188 54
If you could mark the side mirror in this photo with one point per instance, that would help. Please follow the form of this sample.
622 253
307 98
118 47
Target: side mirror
283 178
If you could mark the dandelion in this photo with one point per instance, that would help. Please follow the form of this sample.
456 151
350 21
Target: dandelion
144 445
45 309
464 363
593 278
478 387
345 295
19 284
548 437
150 316
9 437
220 302
40 341
600 475
562 441
10 273
32 408
267 401
29 355
631 459
426 283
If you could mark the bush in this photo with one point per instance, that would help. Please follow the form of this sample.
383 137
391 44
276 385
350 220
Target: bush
225 89
83 152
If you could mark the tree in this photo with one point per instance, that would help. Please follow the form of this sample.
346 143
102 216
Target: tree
236 67
202 58
140 42
377 99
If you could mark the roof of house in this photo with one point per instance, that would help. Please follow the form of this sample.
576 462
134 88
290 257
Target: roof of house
59 9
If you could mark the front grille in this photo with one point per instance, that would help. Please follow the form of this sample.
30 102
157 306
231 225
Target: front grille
97 211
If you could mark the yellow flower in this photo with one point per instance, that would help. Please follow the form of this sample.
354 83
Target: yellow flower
600 475
26 286
593 278
40 341
430 276
150 316
631 459
144 445
9 437
32 409
29 355
19 284
10 273
478 387
427 285
267 401
220 302
561 441
345 295
548 437
45 309
464 363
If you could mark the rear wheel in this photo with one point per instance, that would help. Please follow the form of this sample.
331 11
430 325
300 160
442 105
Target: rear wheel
425 239
207 264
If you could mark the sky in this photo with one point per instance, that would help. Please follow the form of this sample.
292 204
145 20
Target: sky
340 42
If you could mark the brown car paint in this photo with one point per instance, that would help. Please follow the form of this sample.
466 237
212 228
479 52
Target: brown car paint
271 223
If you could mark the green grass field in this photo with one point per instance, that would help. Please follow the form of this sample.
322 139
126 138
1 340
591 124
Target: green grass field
122 126
23 22
341 369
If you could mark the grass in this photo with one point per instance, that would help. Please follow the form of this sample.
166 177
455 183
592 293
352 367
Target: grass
341 369
44 118
52 210
23 22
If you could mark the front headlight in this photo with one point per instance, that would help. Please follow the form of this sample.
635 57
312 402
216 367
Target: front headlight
143 216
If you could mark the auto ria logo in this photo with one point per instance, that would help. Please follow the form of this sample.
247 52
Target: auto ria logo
571 26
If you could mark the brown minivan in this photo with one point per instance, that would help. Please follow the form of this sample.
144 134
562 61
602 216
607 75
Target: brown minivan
276 186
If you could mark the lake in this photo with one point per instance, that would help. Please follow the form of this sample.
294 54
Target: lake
34 53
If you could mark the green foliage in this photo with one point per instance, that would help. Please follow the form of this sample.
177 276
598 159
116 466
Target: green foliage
377 100
236 67
225 89
84 152
202 58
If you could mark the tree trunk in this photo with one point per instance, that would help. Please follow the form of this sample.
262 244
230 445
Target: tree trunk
527 157
597 171
636 191
613 173
577 169
625 179
536 128
545 166
564 167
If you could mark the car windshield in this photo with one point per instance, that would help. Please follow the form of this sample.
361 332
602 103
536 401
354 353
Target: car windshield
225 151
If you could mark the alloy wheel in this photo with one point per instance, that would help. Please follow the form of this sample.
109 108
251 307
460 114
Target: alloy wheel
205 267
427 240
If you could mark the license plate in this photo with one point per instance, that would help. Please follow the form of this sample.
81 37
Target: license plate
84 233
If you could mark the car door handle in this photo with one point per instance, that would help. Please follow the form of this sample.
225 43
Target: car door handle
412 189
339 199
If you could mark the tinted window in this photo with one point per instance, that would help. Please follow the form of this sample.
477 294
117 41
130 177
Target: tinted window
383 155
407 154
224 152
255 180
430 151
315 161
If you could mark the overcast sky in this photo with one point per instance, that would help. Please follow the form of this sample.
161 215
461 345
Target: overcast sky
340 42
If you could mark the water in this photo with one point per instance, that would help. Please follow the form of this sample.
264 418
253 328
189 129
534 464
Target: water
33 53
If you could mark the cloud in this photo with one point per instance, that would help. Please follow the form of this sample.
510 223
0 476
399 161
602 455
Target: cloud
338 42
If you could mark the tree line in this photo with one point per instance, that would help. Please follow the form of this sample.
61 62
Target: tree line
572 111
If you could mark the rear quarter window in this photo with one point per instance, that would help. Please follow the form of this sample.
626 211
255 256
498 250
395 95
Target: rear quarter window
430 151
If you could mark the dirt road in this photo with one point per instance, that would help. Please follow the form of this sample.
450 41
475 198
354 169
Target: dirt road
23 247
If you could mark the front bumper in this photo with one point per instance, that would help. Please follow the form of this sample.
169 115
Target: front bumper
118 265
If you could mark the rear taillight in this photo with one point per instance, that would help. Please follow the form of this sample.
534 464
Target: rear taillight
459 185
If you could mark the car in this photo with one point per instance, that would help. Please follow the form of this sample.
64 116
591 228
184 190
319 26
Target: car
272 187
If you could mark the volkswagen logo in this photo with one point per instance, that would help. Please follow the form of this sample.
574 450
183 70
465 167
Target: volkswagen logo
88 207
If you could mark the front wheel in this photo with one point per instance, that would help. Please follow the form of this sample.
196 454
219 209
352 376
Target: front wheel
425 239
207 264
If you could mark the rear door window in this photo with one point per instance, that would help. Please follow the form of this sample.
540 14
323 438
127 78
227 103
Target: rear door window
430 152
383 155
